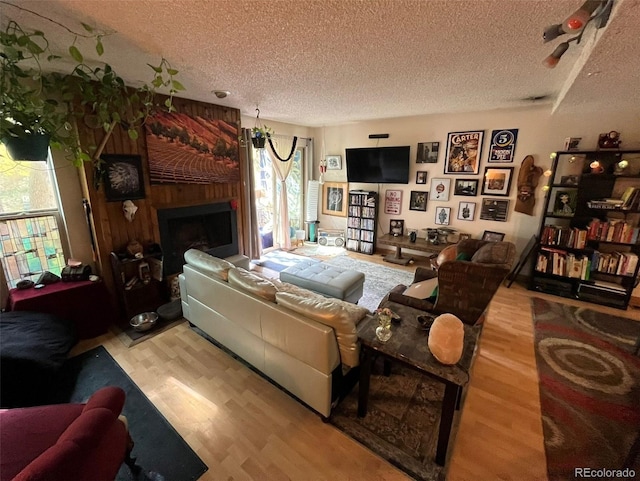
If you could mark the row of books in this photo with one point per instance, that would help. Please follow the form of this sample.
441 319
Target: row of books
620 263
562 263
630 200
572 237
613 230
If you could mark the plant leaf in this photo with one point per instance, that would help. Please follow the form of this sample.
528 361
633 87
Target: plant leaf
75 54
172 71
155 69
133 134
87 27
99 47
177 85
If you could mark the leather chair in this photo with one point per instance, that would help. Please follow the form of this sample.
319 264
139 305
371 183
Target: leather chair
66 441
465 287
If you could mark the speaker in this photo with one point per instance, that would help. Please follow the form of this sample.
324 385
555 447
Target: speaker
331 239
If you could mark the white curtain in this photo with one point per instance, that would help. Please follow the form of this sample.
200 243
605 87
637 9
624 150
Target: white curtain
255 246
281 230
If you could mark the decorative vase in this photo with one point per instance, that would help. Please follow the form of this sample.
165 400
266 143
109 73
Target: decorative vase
34 147
383 331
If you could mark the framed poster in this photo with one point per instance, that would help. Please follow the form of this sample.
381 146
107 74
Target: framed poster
497 181
334 162
421 177
334 198
503 145
122 177
443 215
466 210
463 152
393 202
466 187
396 227
418 200
494 209
440 189
428 152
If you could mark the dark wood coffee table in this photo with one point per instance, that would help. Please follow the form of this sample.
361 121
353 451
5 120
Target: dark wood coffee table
408 345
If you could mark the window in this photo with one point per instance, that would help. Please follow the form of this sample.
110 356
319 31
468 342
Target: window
31 239
266 193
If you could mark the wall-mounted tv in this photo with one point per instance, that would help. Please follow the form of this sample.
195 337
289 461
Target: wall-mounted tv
378 165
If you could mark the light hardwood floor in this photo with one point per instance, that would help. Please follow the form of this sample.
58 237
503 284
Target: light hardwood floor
246 429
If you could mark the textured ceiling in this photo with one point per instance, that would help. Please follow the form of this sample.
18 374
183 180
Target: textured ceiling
326 62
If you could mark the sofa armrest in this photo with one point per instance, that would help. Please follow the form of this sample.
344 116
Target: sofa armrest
423 274
421 304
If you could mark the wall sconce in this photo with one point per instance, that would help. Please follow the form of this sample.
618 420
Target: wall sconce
596 11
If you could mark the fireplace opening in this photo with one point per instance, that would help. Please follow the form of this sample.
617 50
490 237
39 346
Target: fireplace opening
211 228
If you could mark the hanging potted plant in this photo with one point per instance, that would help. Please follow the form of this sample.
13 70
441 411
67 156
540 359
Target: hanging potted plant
40 106
259 136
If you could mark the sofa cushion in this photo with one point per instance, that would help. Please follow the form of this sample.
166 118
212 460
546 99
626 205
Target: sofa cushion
252 283
342 316
208 264
293 289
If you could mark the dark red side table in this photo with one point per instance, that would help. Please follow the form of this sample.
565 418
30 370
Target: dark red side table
86 303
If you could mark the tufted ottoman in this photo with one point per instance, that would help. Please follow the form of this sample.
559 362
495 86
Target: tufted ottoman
325 279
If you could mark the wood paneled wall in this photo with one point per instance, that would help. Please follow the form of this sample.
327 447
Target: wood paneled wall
112 230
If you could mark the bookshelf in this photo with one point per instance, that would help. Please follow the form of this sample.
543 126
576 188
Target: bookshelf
590 228
361 221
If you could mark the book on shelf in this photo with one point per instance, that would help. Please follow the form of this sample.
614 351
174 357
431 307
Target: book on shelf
613 230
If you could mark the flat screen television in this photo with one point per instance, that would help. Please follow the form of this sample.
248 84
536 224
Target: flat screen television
378 165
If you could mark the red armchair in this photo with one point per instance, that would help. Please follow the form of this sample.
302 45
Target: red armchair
65 441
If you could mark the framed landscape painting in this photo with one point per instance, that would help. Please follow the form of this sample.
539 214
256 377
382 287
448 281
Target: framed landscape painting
497 181
466 187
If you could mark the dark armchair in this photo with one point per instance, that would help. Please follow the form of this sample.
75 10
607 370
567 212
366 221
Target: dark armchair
464 287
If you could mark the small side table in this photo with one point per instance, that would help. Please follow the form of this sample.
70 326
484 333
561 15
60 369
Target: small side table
86 303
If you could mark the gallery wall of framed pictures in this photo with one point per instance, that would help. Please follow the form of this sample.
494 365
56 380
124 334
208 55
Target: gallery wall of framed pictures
472 181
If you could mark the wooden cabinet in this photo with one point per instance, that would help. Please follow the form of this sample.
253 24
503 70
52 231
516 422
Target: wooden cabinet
589 234
361 221
138 282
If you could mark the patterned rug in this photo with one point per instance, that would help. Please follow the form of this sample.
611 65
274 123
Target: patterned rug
278 260
401 425
589 388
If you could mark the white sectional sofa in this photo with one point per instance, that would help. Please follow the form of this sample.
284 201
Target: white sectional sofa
304 342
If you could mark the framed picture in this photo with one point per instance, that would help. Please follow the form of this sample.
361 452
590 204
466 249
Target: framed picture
462 237
443 215
440 189
396 227
467 210
565 202
393 202
494 209
503 145
492 236
428 152
466 187
334 162
463 152
570 179
122 177
418 200
497 181
421 177
334 198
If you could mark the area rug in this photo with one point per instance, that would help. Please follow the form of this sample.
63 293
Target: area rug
319 251
278 260
158 446
589 387
378 280
402 421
